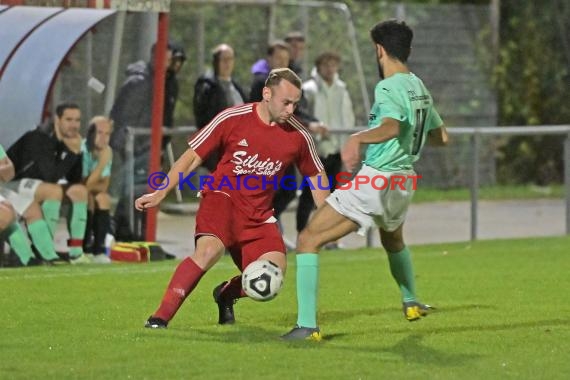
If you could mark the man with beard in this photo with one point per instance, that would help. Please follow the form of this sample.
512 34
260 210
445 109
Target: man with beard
402 118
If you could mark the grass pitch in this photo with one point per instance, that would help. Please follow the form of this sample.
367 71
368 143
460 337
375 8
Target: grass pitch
503 312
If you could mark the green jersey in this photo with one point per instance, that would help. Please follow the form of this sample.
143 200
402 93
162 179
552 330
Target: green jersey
405 98
90 162
2 152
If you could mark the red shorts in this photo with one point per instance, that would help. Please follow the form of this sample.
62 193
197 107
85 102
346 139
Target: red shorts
246 240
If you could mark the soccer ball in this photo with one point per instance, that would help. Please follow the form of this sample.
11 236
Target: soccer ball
262 280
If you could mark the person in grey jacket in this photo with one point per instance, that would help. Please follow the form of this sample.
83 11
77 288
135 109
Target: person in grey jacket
133 108
329 101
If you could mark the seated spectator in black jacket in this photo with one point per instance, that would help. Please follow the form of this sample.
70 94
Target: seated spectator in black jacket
52 154
215 91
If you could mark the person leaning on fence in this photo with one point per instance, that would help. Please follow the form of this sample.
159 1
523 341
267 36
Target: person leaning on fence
401 120
96 172
16 204
171 87
279 56
329 101
215 91
51 154
133 108
240 219
297 44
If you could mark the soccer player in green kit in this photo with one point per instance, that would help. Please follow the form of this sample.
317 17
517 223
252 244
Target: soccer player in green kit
402 118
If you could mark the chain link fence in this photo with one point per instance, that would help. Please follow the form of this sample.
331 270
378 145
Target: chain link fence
444 56
450 53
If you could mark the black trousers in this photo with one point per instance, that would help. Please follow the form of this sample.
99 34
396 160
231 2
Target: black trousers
332 164
284 196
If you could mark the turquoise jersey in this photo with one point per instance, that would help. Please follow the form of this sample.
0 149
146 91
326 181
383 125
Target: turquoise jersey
405 98
90 163
2 152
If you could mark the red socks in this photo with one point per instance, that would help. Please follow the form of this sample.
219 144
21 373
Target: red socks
183 281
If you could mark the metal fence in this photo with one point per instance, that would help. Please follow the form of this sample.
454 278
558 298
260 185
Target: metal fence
474 135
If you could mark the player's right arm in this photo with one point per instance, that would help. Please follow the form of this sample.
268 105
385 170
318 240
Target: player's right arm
185 164
438 136
351 151
321 188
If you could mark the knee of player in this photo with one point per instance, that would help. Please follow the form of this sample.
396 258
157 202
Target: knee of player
207 255
77 193
308 242
103 200
392 245
49 191
277 258
33 213
7 215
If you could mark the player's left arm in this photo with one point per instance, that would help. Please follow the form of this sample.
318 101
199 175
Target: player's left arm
438 136
320 188
437 133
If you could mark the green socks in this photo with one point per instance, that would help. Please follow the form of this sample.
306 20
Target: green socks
42 239
50 209
19 243
403 272
307 287
77 225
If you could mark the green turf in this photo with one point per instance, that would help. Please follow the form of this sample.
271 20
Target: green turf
503 312
492 193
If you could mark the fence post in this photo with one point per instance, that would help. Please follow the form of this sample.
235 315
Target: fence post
475 147
369 237
567 180
130 176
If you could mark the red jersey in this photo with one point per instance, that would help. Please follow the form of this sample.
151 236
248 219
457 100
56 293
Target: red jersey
254 156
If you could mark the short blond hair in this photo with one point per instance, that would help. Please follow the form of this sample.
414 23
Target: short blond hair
99 118
277 75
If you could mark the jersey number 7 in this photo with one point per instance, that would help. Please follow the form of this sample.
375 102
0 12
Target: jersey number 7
419 130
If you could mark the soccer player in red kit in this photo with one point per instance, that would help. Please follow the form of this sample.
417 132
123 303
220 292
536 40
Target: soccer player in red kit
256 142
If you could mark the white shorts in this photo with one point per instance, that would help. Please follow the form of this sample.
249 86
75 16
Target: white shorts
383 201
20 193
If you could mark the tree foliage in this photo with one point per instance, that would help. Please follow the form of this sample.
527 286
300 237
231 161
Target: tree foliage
531 74
532 79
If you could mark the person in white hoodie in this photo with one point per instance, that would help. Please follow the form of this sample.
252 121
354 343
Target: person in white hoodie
328 101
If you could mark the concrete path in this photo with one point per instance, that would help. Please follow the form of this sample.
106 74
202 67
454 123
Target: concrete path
426 223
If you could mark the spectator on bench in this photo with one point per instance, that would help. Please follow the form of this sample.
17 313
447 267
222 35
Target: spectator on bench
97 160
52 153
22 203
